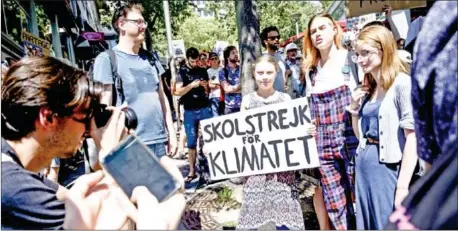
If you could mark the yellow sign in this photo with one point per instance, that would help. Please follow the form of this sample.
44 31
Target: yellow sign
35 46
362 7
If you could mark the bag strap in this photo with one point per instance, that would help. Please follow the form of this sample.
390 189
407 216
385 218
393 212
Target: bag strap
7 158
117 80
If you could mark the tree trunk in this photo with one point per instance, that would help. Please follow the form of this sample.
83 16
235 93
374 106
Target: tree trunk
249 41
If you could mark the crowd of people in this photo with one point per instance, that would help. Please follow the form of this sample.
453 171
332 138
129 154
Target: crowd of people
384 124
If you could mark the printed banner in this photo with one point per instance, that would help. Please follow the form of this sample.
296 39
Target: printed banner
34 46
269 139
362 7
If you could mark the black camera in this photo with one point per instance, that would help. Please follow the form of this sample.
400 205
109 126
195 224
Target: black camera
102 115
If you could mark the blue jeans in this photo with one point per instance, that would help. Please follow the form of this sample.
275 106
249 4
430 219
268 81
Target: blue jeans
215 106
158 149
228 111
191 123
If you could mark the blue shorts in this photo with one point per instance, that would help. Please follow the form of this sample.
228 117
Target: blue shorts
228 110
158 149
191 123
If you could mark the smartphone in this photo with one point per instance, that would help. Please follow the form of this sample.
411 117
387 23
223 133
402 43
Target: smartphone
133 164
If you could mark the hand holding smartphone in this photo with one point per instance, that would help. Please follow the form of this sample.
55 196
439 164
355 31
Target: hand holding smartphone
133 164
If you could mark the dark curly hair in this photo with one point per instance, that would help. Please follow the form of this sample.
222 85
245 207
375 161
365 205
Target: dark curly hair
266 31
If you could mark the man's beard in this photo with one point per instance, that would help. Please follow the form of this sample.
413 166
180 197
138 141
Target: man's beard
233 60
273 47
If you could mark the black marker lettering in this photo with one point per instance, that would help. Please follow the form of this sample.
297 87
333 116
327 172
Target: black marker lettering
302 115
289 153
225 164
213 163
248 121
237 130
271 120
259 115
282 118
246 158
306 146
296 120
257 138
237 159
277 157
207 130
265 154
215 130
231 126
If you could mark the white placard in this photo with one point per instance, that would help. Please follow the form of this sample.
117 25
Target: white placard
269 139
178 48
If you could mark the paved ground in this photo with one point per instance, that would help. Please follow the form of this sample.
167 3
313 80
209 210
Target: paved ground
207 209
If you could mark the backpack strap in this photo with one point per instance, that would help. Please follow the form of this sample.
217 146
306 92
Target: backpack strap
117 80
7 158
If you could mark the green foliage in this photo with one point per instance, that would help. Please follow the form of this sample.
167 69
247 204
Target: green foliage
203 33
225 195
154 15
280 13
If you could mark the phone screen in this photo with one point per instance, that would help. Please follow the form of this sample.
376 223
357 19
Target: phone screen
133 164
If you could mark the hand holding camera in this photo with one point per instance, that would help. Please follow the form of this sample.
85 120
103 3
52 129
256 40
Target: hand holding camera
108 135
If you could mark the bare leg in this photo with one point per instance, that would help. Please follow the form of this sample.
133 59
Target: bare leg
320 209
192 162
182 142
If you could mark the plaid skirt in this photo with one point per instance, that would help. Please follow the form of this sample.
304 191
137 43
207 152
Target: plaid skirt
336 144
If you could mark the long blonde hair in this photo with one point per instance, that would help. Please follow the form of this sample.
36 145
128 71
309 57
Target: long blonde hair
311 52
381 38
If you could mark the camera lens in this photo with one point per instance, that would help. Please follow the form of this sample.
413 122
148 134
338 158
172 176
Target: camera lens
102 115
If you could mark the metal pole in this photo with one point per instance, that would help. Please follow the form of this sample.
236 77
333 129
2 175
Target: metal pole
56 37
33 27
297 28
168 28
4 17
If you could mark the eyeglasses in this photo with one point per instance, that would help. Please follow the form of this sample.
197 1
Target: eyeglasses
274 37
213 59
364 54
86 121
138 22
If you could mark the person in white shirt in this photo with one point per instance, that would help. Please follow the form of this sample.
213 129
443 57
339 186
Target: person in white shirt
215 87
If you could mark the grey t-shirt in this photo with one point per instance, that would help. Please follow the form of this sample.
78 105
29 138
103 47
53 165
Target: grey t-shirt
279 83
141 84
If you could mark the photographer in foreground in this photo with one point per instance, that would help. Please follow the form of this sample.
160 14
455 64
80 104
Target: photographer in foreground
46 111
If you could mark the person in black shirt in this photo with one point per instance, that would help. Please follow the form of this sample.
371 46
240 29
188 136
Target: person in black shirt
166 81
192 86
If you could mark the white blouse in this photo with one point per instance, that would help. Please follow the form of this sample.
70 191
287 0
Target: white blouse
335 73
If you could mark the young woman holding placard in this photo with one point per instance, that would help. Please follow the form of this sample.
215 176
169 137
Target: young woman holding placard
269 198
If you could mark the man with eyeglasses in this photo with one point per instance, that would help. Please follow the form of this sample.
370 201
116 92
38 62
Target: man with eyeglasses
141 88
46 113
270 37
